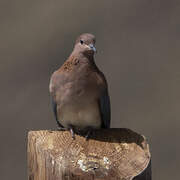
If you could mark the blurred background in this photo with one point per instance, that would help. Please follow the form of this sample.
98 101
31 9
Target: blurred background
138 43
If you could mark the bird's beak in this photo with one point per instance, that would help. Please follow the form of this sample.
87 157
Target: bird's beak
92 47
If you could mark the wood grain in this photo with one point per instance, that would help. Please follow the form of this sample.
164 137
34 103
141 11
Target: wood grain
110 154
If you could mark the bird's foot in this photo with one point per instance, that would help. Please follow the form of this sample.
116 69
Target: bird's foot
90 132
72 132
88 135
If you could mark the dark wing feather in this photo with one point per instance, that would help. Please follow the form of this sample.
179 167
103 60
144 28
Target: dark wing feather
52 89
54 106
105 109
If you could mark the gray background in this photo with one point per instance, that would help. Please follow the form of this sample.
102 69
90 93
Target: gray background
138 50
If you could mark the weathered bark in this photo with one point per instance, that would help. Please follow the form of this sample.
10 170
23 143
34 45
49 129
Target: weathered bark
110 154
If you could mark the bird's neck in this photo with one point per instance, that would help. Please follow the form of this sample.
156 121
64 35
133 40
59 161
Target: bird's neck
83 58
75 60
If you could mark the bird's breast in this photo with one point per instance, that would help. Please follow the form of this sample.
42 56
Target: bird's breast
77 99
78 89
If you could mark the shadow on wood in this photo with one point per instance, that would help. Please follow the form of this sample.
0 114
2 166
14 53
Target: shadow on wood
110 154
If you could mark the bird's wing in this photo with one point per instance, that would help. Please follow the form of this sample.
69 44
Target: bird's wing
54 106
52 89
105 109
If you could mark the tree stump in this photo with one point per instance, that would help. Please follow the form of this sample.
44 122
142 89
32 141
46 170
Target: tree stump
110 154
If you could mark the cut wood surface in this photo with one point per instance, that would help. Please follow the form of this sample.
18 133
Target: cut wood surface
109 154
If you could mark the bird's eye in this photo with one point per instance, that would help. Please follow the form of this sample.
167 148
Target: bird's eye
81 41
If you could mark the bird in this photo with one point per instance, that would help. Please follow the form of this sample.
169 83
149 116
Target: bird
79 91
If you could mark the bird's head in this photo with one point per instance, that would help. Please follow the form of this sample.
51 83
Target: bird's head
85 44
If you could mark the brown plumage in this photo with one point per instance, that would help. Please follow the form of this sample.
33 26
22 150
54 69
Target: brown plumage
79 90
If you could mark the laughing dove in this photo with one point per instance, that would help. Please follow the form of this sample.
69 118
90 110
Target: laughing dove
79 90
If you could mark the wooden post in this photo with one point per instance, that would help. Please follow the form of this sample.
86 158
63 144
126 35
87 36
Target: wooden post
110 154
